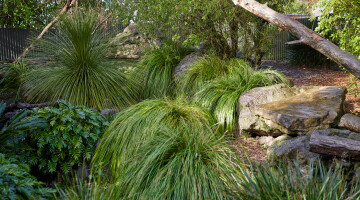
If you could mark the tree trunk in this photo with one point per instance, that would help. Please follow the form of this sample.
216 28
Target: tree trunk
67 6
335 146
305 35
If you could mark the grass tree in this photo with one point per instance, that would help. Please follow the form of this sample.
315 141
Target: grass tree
76 70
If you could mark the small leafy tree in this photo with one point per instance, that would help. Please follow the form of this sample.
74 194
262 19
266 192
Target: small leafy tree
340 20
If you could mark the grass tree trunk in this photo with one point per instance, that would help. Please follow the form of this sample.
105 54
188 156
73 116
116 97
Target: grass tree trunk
304 34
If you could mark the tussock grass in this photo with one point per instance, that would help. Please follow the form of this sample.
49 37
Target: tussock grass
157 69
181 163
141 122
316 182
75 71
205 69
220 96
167 149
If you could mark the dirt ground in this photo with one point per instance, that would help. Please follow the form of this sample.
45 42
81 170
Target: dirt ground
249 148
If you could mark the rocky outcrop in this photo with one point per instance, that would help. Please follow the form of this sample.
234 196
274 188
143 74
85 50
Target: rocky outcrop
278 110
286 148
187 62
350 122
250 100
127 45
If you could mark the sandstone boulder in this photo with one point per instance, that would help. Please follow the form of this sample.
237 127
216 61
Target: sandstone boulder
250 100
127 45
350 122
286 148
317 108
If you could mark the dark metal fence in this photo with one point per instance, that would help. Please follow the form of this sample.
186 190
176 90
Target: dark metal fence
13 41
278 51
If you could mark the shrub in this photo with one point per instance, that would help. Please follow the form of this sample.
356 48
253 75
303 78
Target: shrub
76 71
157 68
140 123
68 138
17 183
220 96
288 182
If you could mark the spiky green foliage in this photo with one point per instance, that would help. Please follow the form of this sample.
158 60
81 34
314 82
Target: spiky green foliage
17 183
180 163
221 95
292 182
158 66
75 71
205 69
141 122
81 188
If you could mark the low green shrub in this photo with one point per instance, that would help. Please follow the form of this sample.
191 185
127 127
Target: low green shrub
292 182
68 137
140 123
157 68
17 183
220 96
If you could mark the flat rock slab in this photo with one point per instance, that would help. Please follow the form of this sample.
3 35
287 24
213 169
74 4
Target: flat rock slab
313 109
248 102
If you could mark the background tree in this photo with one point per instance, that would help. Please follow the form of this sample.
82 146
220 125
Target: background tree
340 21
27 13
217 24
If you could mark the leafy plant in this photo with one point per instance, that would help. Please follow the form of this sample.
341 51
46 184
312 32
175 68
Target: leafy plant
14 77
220 96
292 182
340 20
179 163
17 183
75 71
69 138
139 123
157 68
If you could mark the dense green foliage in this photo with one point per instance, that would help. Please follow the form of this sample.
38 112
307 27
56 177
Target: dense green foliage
26 13
17 183
68 138
340 20
75 71
140 123
217 24
157 68
292 182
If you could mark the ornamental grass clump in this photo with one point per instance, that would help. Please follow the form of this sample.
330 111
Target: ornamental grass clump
316 182
138 123
205 69
157 69
220 96
75 70
164 149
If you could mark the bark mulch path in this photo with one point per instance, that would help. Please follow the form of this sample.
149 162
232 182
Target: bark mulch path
250 149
